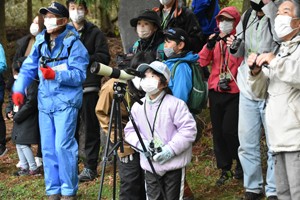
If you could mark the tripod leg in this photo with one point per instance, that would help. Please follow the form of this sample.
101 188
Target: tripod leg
105 157
116 115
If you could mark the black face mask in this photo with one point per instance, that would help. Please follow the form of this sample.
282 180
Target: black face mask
257 7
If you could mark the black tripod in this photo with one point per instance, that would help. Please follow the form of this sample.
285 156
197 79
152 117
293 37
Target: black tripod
115 116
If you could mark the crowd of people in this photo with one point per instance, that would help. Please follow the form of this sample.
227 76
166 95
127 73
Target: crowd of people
253 82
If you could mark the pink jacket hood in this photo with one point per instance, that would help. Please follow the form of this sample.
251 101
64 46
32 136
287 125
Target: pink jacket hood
232 11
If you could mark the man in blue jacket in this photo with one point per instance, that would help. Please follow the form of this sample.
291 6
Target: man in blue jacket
60 60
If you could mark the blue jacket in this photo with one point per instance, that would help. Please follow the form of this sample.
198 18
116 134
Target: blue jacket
3 65
66 89
181 84
206 11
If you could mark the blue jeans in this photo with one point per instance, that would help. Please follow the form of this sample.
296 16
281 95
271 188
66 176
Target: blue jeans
26 157
251 119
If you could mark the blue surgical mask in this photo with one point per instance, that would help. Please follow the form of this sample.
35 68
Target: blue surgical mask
168 52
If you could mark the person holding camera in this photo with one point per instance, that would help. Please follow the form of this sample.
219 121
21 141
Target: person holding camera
167 127
277 78
223 94
256 34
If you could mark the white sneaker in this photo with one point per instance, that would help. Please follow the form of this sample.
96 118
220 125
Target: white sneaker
39 161
18 165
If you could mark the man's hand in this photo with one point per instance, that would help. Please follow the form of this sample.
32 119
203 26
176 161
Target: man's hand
18 98
48 73
265 58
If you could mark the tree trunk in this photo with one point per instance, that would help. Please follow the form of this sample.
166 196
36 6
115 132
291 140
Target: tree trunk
2 24
246 5
29 13
106 24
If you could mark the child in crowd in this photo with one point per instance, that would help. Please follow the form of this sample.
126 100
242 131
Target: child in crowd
130 171
224 94
24 47
177 49
164 122
25 129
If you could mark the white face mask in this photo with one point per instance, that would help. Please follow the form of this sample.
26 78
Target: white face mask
282 25
226 26
165 2
144 32
77 16
168 51
34 29
150 85
51 23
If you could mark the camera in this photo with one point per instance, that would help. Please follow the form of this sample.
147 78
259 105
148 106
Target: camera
235 45
224 84
153 150
123 60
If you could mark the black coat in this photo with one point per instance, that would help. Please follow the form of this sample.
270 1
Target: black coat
26 126
96 44
187 21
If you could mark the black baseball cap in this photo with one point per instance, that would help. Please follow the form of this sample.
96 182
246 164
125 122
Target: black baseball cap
56 9
177 34
148 15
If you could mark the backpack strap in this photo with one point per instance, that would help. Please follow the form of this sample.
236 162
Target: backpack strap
175 67
44 60
245 20
160 55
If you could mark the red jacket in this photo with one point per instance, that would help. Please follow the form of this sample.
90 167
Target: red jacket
217 60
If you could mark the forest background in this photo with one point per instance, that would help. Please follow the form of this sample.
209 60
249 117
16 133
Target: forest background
15 19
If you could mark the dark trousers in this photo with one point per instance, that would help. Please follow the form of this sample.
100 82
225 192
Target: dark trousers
172 182
91 130
224 119
132 182
2 127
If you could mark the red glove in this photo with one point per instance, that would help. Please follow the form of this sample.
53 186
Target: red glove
48 73
18 98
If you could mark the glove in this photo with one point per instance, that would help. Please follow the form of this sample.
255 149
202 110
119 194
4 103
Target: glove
212 42
126 159
165 155
48 73
18 98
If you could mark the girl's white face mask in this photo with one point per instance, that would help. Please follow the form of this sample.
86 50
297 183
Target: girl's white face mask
149 85
282 25
226 26
34 29
77 16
